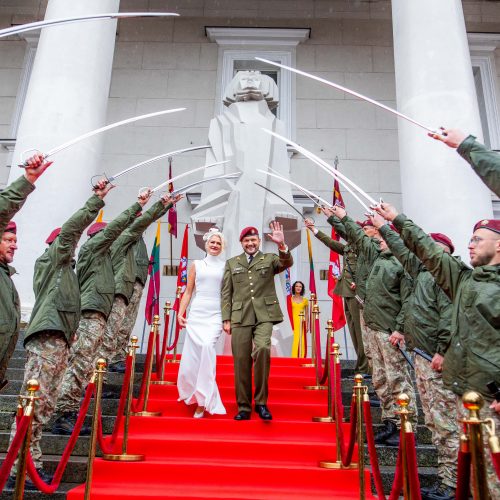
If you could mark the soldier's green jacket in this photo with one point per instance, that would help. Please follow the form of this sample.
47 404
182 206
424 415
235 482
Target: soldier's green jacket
141 262
363 266
123 254
388 287
473 356
427 318
343 286
486 163
95 269
12 199
57 293
248 293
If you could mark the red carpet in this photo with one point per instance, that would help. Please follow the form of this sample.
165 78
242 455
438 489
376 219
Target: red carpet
217 457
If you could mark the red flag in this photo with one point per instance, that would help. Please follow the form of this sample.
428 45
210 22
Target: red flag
338 315
182 273
172 213
289 296
153 298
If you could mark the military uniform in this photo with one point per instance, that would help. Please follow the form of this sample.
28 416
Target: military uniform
12 198
351 304
473 356
124 266
97 286
249 301
486 163
427 324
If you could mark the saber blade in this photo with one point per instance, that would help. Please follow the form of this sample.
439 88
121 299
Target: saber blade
351 92
281 198
187 187
14 30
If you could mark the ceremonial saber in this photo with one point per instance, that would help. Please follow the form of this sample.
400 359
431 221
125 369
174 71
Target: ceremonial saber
344 180
422 353
103 129
67 20
187 187
351 92
281 198
406 356
180 176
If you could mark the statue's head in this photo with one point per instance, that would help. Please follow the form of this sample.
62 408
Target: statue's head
252 86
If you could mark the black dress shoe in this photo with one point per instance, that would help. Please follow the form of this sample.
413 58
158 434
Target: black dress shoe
263 412
442 492
118 367
375 403
387 431
242 415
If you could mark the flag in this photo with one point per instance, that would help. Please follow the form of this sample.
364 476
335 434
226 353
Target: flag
172 213
338 315
312 279
153 298
288 287
182 273
100 215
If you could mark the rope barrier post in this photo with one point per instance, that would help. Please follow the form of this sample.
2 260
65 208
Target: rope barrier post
403 402
493 442
361 396
314 333
312 364
332 354
473 402
32 387
98 378
174 354
144 412
167 308
124 456
302 320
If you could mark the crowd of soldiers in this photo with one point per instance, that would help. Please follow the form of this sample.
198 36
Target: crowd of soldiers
83 310
404 289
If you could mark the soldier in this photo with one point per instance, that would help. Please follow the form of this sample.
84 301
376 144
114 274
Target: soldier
387 290
124 268
472 359
346 288
250 307
95 276
486 163
12 198
55 318
427 323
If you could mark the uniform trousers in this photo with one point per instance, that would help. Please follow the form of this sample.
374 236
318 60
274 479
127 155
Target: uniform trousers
352 316
251 344
82 359
47 359
440 411
109 344
365 337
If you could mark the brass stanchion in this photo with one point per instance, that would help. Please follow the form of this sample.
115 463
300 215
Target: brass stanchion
312 364
314 333
32 387
98 379
473 402
325 464
302 316
144 412
167 308
332 355
361 396
124 456
404 413
174 354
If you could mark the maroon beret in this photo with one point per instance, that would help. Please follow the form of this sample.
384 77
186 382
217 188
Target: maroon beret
95 228
249 231
393 227
53 235
11 227
491 224
442 238
367 222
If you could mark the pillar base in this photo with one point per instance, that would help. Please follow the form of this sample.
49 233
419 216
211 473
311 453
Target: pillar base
123 457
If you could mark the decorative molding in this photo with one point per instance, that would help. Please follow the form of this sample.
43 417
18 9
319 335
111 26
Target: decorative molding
484 42
8 144
257 36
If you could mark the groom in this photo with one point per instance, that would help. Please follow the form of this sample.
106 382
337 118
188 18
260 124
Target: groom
250 307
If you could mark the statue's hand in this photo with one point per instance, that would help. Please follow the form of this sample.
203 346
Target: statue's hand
277 233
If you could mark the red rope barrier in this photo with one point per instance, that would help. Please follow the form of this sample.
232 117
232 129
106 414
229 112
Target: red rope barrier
166 322
495 458
411 461
397 485
61 467
157 355
463 475
346 454
22 427
136 405
176 337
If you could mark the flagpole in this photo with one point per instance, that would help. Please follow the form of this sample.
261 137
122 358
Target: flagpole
170 233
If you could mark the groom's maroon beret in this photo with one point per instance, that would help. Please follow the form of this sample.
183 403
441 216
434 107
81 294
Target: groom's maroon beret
249 231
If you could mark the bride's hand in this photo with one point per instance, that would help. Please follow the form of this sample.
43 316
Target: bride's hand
182 320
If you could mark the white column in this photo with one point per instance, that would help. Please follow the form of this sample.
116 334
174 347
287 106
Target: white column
67 96
435 85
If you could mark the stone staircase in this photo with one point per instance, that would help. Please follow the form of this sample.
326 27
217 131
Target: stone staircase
53 445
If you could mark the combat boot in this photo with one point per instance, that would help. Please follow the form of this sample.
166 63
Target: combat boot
393 439
118 367
442 492
28 485
387 431
65 423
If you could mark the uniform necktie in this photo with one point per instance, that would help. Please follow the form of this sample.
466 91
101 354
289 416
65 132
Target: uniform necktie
250 258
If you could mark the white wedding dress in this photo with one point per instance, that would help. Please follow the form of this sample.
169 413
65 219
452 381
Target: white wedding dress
196 380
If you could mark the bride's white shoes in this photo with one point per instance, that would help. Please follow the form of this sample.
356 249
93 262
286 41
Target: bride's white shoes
199 413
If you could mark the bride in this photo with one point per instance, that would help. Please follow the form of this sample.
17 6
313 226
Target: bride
196 379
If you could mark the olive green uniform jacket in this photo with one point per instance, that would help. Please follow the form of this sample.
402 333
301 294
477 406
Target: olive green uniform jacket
486 163
427 318
248 294
123 254
473 355
388 287
95 269
57 293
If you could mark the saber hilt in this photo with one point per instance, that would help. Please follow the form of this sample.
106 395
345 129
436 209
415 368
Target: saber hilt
109 180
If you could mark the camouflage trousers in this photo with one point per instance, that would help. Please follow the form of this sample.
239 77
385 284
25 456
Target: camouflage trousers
352 316
128 323
47 360
82 359
390 376
365 337
491 476
110 341
440 411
